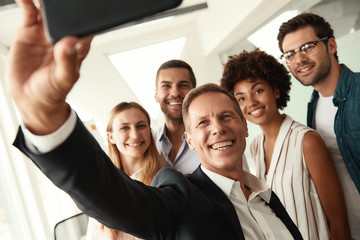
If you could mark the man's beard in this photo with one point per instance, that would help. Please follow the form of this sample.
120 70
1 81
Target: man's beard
170 115
321 72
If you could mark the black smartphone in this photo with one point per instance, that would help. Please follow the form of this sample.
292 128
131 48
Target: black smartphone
86 17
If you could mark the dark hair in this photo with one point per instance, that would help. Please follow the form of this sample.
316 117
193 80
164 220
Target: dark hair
206 88
321 27
175 63
257 64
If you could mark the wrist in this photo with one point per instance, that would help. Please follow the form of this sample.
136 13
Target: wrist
43 122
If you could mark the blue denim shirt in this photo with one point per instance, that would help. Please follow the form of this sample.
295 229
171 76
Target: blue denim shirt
347 120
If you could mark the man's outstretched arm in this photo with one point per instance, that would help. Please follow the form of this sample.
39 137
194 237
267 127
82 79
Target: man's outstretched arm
40 77
41 74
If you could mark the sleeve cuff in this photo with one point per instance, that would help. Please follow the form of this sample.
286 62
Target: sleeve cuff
43 144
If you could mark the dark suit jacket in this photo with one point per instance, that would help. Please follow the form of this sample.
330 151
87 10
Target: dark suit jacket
176 207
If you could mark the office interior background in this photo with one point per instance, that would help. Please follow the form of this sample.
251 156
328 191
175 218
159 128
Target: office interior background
121 66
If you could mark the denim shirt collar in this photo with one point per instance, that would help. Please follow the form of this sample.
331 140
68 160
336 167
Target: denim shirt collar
343 85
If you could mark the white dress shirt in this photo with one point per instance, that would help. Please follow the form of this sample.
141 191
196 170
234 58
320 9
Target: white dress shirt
257 219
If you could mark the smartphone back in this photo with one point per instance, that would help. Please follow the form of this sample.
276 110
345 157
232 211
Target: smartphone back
86 17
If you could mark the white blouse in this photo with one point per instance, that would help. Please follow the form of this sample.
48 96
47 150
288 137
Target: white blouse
290 179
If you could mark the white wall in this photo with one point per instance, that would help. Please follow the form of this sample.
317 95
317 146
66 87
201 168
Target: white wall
349 50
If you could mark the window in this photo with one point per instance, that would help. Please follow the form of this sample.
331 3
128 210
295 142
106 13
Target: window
141 78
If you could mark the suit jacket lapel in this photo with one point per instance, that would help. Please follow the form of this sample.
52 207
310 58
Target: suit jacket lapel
217 196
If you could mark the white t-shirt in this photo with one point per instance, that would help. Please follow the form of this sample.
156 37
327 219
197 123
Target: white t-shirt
324 124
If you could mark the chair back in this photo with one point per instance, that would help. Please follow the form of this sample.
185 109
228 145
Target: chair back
72 228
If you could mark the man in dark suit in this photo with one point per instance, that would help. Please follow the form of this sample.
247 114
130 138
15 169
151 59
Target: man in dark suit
218 201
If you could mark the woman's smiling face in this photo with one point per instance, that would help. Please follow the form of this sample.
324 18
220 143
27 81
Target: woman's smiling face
257 100
131 133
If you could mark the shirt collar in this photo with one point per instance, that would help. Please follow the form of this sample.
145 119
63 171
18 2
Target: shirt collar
224 183
162 135
343 85
255 185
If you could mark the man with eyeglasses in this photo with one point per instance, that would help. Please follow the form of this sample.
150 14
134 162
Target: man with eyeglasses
310 52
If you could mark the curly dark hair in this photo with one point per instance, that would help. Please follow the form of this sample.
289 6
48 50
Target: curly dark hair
253 65
321 27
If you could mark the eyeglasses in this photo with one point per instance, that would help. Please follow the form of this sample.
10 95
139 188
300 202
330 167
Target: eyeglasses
308 48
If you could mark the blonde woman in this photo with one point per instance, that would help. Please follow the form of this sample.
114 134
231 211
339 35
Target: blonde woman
132 149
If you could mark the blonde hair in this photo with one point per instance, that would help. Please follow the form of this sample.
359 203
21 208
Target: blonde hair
152 162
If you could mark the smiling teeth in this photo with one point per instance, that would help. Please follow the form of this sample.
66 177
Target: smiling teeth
175 103
222 146
134 144
304 69
256 111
